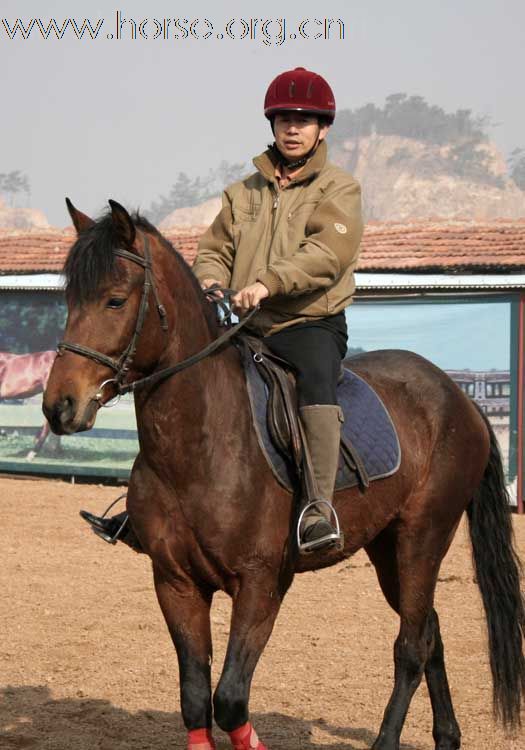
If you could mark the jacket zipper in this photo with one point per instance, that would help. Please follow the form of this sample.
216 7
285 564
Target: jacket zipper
275 206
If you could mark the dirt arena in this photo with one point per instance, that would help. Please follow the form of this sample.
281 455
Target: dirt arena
87 664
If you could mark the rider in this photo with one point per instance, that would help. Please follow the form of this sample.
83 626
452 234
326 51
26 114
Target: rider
288 238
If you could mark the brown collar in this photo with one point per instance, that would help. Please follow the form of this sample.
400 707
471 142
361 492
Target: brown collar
268 161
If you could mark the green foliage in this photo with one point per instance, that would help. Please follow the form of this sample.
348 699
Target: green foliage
410 117
186 192
466 161
517 167
31 321
12 183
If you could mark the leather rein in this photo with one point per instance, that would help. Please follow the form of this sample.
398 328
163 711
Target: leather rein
122 365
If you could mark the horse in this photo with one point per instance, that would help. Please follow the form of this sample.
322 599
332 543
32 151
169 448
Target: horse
206 507
23 376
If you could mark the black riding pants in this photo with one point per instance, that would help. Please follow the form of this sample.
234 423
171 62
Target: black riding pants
315 349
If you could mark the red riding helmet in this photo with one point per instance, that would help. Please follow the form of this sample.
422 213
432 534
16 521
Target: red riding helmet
300 90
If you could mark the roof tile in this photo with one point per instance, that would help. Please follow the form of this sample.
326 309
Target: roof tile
421 246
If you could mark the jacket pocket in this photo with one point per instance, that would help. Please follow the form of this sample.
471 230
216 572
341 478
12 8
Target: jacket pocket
247 210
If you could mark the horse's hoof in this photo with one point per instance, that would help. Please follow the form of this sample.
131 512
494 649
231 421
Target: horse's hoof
31 455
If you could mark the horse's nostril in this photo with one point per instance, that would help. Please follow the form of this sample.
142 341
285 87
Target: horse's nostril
66 409
60 413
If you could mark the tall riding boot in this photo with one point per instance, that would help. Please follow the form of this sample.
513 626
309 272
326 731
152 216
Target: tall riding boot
322 426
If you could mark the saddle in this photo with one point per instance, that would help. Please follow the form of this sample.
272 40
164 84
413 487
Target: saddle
282 418
370 448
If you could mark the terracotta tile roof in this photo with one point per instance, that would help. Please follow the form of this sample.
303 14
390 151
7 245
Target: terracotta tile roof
33 250
415 247
25 251
444 247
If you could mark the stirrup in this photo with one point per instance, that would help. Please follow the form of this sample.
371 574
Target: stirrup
335 539
110 539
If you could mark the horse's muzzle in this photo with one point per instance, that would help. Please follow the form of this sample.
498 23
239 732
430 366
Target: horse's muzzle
63 419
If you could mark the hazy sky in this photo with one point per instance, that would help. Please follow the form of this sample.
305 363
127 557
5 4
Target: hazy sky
121 117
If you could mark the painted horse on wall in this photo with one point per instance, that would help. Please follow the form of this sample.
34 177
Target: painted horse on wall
207 509
23 376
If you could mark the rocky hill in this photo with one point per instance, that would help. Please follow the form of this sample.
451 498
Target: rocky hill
201 215
403 178
21 218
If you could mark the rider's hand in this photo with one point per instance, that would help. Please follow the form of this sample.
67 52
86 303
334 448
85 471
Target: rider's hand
249 297
211 282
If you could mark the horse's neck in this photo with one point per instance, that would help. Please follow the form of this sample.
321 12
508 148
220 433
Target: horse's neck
202 400
189 416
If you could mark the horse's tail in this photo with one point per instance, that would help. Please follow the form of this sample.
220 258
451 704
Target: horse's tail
498 571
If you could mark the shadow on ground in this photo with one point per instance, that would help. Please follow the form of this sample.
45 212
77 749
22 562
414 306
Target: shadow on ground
31 718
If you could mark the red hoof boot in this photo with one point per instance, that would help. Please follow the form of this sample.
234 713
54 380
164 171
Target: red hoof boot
200 739
245 738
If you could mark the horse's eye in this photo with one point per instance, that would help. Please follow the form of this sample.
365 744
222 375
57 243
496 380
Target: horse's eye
115 302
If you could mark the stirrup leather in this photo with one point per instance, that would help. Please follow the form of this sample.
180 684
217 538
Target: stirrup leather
336 538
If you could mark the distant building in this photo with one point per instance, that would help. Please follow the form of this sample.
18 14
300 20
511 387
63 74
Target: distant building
490 389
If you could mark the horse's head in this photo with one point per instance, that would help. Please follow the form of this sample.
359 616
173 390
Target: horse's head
112 328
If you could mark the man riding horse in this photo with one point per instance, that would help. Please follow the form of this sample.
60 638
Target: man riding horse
210 513
288 237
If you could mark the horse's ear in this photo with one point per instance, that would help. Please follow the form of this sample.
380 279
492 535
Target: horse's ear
81 222
123 223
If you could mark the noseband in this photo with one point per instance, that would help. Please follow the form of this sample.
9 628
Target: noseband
122 365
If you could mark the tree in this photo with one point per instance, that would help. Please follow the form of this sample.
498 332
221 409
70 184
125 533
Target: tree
517 167
468 161
183 193
12 183
186 192
411 117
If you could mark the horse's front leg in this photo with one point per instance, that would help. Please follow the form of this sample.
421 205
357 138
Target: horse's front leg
255 608
186 609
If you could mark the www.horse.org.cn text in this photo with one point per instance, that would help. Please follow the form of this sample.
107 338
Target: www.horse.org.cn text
274 31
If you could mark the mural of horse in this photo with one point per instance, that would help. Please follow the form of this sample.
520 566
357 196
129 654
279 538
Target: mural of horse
23 376
208 511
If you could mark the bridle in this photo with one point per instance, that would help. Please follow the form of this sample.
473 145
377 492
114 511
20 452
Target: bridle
122 365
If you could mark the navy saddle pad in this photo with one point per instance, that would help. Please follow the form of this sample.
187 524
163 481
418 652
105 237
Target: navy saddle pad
367 425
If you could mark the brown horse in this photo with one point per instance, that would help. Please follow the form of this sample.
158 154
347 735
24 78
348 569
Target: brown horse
208 511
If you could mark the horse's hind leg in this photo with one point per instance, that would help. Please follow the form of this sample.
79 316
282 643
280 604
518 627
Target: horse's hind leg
407 565
255 608
186 609
446 733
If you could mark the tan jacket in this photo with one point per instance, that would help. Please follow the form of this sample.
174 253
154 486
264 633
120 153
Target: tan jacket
301 242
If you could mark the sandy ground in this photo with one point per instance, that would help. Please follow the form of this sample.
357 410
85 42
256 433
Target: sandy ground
86 661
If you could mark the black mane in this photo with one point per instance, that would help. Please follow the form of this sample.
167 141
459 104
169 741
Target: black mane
91 261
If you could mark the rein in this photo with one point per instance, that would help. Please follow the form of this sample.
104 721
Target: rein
167 372
122 366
